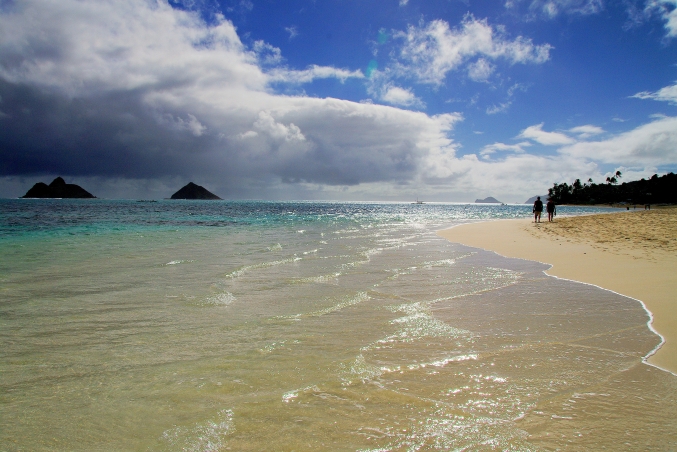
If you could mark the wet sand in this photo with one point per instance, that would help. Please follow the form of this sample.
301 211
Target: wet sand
633 253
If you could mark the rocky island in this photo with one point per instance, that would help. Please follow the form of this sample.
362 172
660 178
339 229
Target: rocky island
57 189
488 200
194 191
533 199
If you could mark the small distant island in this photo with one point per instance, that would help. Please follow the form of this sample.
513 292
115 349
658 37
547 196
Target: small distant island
534 198
489 200
57 189
194 191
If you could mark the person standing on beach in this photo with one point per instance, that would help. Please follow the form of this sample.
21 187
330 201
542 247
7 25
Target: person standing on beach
538 208
551 209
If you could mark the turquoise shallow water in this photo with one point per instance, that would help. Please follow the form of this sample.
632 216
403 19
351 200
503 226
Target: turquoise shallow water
31 217
307 326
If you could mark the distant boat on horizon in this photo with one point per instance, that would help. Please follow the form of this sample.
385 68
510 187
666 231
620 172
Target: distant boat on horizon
418 202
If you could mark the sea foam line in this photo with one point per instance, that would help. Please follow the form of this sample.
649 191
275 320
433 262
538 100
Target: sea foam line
649 322
351 301
221 299
206 436
247 268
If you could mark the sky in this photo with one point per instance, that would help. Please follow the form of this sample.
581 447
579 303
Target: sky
351 100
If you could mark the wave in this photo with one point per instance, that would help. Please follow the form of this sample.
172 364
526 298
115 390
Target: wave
221 299
331 278
179 262
346 302
247 268
206 436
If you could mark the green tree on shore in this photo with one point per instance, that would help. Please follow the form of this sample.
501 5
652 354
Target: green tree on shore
613 179
655 190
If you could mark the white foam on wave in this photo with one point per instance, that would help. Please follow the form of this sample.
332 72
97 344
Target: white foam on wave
367 255
346 302
443 362
491 378
445 429
247 268
179 262
291 395
361 370
221 299
271 347
206 436
420 325
439 263
351 301
649 323
322 279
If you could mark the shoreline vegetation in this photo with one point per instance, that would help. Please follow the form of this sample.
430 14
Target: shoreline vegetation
655 190
633 253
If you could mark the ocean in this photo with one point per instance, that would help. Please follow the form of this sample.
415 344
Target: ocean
220 325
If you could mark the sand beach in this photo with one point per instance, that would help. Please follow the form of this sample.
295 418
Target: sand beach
633 253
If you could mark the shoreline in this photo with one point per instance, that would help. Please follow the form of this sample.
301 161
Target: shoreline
631 253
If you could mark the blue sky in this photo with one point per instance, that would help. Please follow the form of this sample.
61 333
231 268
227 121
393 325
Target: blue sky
338 99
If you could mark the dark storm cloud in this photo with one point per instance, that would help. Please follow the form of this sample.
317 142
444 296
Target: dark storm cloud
116 134
142 90
128 90
112 135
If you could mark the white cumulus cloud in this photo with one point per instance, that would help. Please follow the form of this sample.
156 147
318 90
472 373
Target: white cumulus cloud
667 9
503 147
553 8
586 131
666 94
311 73
266 123
399 96
267 53
293 32
537 134
651 144
492 110
431 51
87 47
480 70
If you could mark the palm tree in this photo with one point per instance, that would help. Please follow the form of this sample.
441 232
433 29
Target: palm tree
613 179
